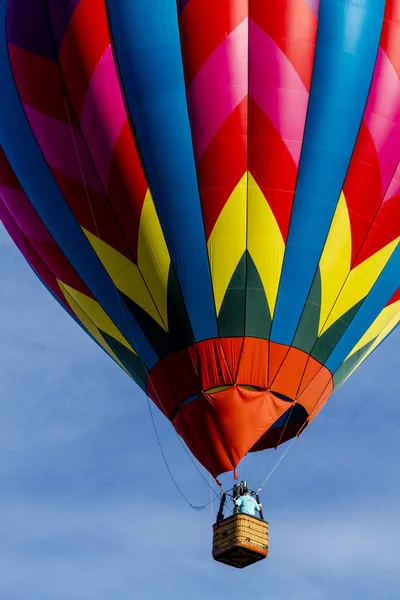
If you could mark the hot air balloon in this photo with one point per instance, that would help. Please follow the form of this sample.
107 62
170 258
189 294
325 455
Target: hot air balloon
211 189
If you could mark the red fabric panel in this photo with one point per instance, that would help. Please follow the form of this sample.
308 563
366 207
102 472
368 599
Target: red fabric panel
214 370
204 25
253 368
37 77
232 348
95 215
272 166
385 229
85 41
178 382
322 400
293 28
288 377
277 354
362 189
221 428
394 298
311 371
159 389
222 165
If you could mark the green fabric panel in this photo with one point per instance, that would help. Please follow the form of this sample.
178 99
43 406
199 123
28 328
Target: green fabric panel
307 329
179 334
349 364
155 334
231 318
328 340
180 330
131 361
258 317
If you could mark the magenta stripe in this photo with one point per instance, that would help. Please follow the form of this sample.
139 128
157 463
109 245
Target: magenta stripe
32 257
382 116
24 214
218 88
103 114
64 148
278 90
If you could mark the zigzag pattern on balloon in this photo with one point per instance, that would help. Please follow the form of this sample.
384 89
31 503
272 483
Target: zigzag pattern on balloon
211 189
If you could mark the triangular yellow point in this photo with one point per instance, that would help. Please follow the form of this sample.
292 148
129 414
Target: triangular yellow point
359 283
92 316
335 261
380 328
265 243
153 257
227 242
125 275
246 219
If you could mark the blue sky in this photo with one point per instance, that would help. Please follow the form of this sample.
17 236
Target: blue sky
88 511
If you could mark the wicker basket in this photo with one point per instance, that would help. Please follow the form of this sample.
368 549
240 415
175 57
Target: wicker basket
240 540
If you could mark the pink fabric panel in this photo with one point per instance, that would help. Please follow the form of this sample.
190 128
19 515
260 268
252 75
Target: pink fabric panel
24 214
103 114
382 117
219 87
63 148
278 89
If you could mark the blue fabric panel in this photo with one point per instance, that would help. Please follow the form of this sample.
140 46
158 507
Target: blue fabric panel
347 44
386 285
147 45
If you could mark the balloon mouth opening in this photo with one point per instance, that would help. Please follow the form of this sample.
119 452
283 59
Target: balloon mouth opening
222 388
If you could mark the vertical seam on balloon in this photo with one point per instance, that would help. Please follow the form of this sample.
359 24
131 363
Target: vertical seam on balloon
132 132
293 201
201 208
366 235
247 195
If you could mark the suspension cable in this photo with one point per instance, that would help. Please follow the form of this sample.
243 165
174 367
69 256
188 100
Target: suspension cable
193 506
278 463
198 508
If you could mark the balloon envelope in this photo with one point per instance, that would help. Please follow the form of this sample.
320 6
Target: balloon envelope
211 190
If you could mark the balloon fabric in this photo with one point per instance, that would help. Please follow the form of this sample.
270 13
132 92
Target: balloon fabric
210 188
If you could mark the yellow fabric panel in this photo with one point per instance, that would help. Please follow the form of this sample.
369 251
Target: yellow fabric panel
220 388
227 241
91 313
265 243
125 275
153 256
388 319
359 282
87 322
380 328
335 261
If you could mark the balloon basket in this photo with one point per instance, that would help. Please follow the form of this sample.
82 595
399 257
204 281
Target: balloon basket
240 540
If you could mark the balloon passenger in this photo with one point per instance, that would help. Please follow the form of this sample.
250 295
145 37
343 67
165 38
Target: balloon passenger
247 504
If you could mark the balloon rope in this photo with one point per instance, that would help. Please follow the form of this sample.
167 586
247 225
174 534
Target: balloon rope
167 465
133 337
277 464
